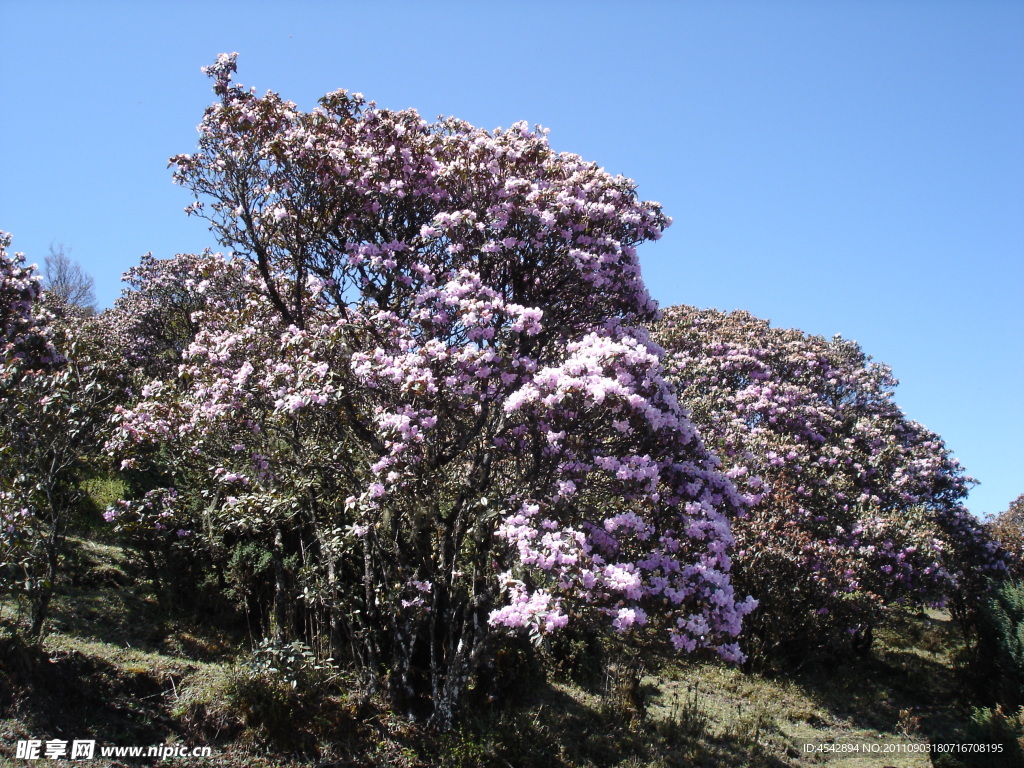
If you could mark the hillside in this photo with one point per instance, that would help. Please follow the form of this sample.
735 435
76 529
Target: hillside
118 668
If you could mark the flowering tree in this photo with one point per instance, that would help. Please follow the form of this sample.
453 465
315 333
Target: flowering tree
437 392
152 322
56 392
852 506
1008 529
24 338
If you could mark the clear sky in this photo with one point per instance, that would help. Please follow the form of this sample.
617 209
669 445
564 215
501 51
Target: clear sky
839 167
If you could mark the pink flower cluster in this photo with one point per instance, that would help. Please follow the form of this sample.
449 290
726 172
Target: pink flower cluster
24 338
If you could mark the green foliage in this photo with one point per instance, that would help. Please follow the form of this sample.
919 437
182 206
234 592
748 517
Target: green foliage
461 749
266 703
1002 735
250 577
282 697
577 655
294 663
999 652
995 726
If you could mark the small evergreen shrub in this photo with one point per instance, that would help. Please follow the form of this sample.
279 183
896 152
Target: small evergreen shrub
1001 732
999 651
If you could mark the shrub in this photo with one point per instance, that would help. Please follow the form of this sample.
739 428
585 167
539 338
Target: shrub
998 654
59 384
852 506
1008 529
281 695
1001 733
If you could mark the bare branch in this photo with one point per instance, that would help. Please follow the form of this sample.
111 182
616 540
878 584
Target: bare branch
66 280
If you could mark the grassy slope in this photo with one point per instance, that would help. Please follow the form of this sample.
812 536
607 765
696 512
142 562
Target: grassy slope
118 668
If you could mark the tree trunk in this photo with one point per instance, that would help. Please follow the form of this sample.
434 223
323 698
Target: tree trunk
281 630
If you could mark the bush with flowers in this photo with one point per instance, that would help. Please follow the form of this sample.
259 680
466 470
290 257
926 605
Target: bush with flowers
432 396
852 507
58 387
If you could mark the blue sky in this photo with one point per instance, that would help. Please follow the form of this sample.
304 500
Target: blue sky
839 167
